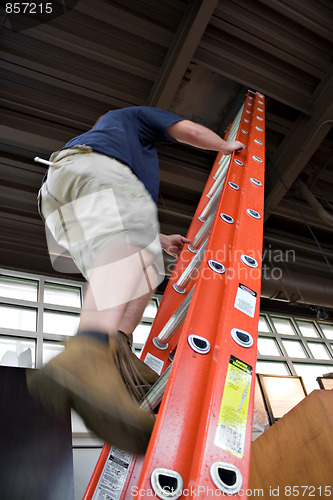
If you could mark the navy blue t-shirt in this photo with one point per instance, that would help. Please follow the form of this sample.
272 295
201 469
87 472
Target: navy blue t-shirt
130 135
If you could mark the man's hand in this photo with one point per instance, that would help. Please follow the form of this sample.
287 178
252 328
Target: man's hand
232 146
173 243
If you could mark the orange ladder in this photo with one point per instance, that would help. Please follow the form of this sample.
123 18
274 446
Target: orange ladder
203 342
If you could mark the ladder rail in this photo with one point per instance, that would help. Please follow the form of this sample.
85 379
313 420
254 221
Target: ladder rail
190 431
213 443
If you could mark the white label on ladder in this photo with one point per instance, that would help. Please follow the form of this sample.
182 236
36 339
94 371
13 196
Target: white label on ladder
231 426
245 300
154 363
114 475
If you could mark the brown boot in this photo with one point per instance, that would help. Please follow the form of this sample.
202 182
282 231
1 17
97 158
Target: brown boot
85 376
138 376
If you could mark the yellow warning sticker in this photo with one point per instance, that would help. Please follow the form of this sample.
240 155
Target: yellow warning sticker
231 426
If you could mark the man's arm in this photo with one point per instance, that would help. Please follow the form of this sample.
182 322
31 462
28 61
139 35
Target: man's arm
193 134
172 243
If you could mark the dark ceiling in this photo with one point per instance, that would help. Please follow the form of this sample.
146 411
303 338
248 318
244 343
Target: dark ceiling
196 58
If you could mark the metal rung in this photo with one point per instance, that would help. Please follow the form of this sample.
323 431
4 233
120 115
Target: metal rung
220 175
211 205
190 270
224 164
201 234
235 124
174 323
219 179
232 137
154 396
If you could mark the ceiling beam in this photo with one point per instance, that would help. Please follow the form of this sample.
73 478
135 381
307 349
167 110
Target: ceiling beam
28 137
298 147
187 38
231 62
122 19
314 16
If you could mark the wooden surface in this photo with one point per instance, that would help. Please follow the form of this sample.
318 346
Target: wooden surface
35 447
294 458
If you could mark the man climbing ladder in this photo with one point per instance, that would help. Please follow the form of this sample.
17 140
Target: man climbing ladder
99 204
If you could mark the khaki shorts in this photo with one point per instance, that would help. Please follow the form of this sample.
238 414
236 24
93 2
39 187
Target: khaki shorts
90 201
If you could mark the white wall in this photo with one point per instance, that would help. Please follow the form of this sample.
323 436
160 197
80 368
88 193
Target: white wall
86 451
84 460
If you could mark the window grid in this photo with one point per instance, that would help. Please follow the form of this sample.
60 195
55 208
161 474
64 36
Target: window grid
305 341
42 339
39 336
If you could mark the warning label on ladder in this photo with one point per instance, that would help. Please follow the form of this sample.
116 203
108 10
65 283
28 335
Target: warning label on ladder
114 475
154 363
246 300
231 427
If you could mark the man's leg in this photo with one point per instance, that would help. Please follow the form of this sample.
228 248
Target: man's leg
118 291
132 314
124 317
87 375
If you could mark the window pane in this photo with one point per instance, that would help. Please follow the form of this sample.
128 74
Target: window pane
60 323
141 333
263 326
17 352
327 382
18 318
268 347
283 326
318 350
309 374
307 329
62 295
79 428
283 394
294 348
18 288
150 310
272 368
260 417
327 330
50 350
